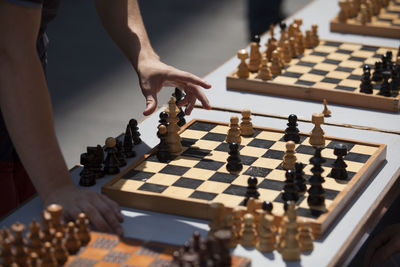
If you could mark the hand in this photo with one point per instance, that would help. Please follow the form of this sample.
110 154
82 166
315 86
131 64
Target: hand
153 75
103 213
385 244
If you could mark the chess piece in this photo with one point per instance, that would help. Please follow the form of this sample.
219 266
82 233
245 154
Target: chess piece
293 48
162 151
111 163
233 135
5 234
366 86
290 190
316 193
234 164
264 73
317 138
179 95
217 217
83 229
363 17
271 47
344 11
163 119
249 234
267 206
49 259
326 111
60 251
289 158
395 83
308 43
300 43
299 178
237 216
135 131
120 155
246 127
35 237
256 39
276 68
287 56
87 176
173 139
96 164
291 248
282 59
47 227
305 237
21 253
339 166
266 236
223 238
243 69
283 38
128 143
385 86
251 191
314 35
6 253
255 57
292 132
72 242
377 76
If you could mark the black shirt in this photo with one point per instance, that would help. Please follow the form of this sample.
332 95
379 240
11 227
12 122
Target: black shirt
49 11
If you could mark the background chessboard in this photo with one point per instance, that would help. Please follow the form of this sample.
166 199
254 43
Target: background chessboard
187 184
385 24
332 70
109 250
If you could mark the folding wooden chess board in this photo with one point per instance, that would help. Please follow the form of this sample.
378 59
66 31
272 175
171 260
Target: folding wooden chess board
187 184
109 251
385 24
332 70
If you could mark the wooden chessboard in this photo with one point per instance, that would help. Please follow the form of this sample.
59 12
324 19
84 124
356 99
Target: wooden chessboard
187 184
109 250
332 70
385 24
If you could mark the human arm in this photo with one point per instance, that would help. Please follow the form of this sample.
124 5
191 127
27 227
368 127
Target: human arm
26 108
123 22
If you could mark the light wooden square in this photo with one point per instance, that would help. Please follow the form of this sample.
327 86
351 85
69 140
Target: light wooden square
267 163
221 129
241 180
217 155
193 134
272 136
332 184
279 145
325 67
351 64
197 173
359 71
367 150
163 179
207 144
313 59
285 80
338 75
268 195
278 175
349 46
353 166
311 77
185 161
326 85
350 83
246 140
252 151
362 53
303 158
228 200
213 187
127 185
325 49
298 69
328 153
150 166
174 191
338 56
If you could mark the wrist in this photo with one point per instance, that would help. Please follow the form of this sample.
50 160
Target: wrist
145 59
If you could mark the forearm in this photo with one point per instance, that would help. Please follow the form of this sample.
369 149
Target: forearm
26 108
123 22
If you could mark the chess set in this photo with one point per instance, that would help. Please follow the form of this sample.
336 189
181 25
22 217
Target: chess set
55 243
188 182
321 69
376 18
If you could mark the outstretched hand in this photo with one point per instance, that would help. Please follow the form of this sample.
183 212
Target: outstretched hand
153 75
103 213
385 244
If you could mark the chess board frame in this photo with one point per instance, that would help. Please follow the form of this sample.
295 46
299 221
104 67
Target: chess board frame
313 92
201 209
111 250
373 28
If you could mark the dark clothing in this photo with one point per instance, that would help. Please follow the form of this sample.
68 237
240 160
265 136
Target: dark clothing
15 185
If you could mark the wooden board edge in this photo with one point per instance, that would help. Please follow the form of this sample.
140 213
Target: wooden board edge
316 94
368 29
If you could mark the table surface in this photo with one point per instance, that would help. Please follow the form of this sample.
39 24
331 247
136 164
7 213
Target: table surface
174 229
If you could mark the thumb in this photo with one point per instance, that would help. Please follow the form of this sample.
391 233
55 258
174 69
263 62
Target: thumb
151 104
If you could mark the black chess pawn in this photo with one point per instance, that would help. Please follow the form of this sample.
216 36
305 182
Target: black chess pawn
292 132
128 143
256 39
88 177
385 65
366 86
120 155
111 163
339 166
299 177
389 57
377 76
96 165
290 190
135 131
385 86
282 25
179 95
163 119
316 193
395 83
162 149
252 191
234 163
267 206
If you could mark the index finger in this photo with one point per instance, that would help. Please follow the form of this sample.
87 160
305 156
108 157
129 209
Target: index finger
187 77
